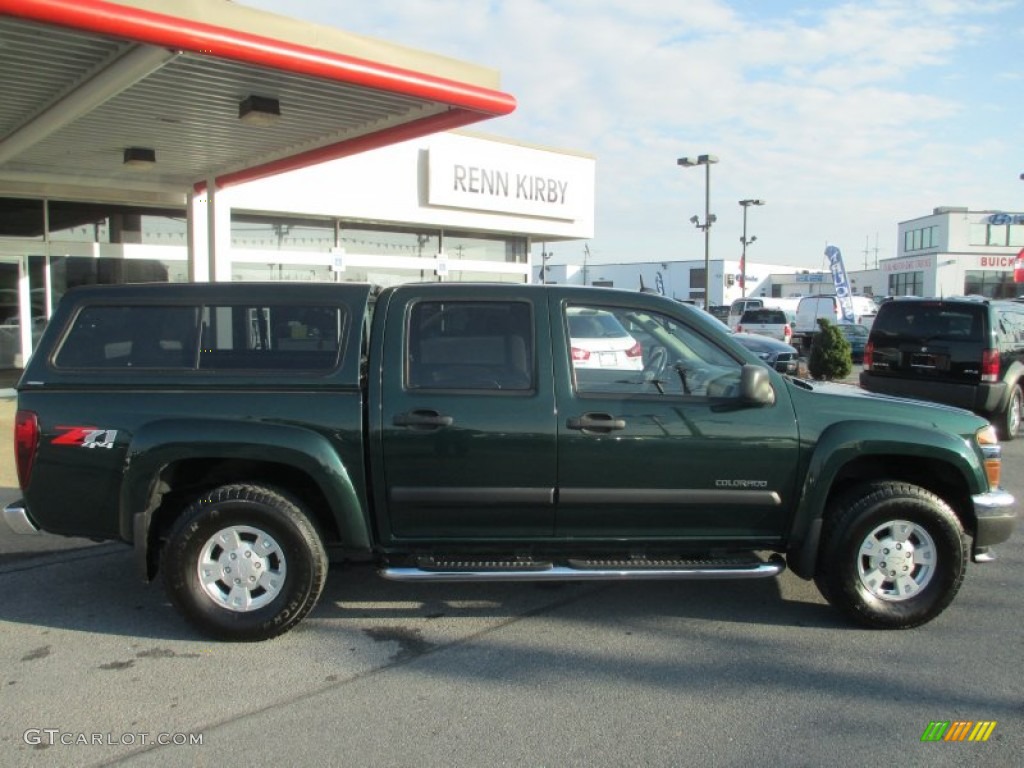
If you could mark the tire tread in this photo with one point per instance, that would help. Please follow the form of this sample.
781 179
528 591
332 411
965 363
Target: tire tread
853 509
186 530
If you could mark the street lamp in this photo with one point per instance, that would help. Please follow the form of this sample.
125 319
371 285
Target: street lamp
709 219
743 259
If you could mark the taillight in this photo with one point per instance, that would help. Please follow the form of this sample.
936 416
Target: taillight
787 332
635 351
580 355
869 354
26 441
990 448
990 366
739 329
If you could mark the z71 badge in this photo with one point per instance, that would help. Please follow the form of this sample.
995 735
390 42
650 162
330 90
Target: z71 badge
86 437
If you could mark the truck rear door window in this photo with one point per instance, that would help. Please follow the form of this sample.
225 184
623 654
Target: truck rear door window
470 345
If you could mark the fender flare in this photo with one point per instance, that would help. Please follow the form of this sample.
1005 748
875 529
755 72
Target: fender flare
848 441
162 443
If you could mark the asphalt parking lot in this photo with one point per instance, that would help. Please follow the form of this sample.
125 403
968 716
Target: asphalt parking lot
99 670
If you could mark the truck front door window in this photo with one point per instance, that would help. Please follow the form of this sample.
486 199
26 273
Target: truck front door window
617 350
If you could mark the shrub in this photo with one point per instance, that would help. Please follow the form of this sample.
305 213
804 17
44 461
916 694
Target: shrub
830 353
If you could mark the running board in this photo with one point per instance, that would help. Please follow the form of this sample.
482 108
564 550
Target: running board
584 570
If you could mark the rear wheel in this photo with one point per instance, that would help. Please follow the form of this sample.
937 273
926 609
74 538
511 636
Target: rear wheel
244 563
892 556
1008 420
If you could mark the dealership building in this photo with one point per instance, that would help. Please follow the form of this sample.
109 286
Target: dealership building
956 251
153 140
952 251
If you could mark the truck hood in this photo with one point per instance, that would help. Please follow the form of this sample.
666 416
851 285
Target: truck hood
828 402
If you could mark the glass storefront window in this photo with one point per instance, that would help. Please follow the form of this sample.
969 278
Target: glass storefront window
919 239
382 276
21 219
281 233
68 272
71 222
10 322
106 223
979 234
466 276
906 284
997 235
992 285
252 271
389 241
478 247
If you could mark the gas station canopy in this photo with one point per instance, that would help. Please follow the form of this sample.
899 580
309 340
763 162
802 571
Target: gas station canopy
148 100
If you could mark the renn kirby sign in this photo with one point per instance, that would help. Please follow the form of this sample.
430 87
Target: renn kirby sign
529 182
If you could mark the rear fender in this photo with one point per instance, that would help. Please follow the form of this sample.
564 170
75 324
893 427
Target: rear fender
160 444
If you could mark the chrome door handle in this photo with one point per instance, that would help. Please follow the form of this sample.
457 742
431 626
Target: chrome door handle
424 418
596 422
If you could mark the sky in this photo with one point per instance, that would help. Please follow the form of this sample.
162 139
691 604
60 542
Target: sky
846 118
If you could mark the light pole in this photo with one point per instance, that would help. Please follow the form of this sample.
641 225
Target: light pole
709 219
743 259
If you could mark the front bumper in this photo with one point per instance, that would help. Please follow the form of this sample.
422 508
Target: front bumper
995 517
17 519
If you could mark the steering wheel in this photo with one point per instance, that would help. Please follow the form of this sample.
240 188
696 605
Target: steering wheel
656 364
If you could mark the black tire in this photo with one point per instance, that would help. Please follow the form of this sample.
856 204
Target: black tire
916 536
1007 421
256 542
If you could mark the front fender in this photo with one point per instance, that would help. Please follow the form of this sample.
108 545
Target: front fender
849 441
162 443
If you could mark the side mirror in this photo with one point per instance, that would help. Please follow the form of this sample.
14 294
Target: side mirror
756 385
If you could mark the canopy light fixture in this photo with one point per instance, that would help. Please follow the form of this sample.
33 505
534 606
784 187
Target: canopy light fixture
139 157
259 110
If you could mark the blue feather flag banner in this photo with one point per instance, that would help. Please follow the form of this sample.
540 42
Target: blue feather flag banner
835 262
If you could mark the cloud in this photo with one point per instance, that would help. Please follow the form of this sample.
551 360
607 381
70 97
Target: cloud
847 117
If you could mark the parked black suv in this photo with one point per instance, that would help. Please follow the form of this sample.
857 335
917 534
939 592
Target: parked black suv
967 352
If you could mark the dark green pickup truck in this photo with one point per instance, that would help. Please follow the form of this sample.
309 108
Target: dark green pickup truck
239 436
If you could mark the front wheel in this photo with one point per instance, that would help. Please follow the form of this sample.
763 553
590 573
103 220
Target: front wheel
244 563
892 556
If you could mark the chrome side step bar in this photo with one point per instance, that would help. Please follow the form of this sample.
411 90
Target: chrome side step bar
586 570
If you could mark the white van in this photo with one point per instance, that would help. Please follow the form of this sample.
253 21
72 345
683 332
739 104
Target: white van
739 306
813 307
